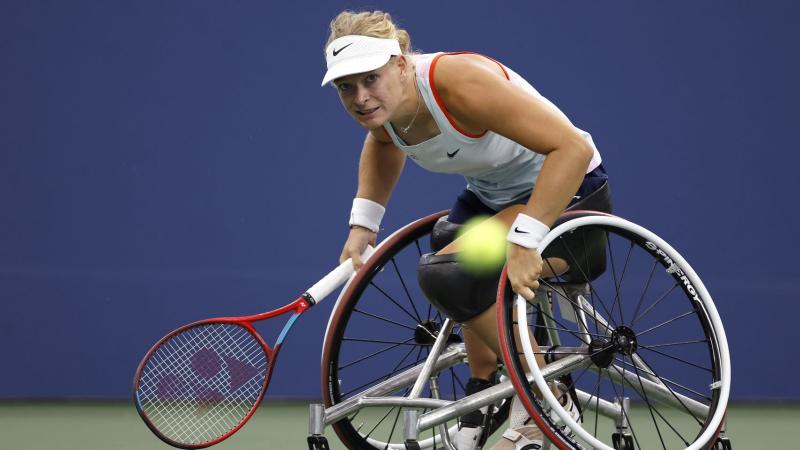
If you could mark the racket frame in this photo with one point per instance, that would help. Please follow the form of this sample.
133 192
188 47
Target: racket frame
296 307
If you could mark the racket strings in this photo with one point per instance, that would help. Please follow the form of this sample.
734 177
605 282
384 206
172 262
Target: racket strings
200 384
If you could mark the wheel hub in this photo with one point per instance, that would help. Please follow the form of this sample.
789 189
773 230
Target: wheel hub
622 341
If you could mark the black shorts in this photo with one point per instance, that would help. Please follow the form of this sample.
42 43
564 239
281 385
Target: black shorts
584 251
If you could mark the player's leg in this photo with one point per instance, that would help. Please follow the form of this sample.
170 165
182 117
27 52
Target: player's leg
482 360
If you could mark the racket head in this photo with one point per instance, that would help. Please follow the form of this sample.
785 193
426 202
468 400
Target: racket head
199 384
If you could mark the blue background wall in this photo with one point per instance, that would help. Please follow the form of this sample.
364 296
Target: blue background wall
166 161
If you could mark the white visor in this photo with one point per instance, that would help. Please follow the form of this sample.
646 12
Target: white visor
357 54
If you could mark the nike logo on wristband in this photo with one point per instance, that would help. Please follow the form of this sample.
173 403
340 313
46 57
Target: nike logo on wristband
517 230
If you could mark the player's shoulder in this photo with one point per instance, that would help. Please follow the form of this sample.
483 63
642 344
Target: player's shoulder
453 69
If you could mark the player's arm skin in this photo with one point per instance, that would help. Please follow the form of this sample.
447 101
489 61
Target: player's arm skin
379 169
479 97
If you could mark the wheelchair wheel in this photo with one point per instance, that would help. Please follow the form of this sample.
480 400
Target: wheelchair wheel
642 348
381 326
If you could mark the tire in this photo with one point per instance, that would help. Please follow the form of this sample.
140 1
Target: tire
381 325
659 327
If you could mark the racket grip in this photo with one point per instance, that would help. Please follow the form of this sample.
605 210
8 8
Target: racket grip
335 278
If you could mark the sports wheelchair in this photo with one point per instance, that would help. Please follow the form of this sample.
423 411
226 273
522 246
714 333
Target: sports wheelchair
636 341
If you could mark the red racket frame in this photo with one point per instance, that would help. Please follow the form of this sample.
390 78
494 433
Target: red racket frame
297 307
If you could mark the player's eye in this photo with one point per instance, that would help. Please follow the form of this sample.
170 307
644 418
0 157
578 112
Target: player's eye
371 78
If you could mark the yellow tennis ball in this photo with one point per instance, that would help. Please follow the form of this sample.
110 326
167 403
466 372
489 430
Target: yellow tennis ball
482 245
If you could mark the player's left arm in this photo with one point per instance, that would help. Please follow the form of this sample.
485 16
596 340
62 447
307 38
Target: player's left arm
477 95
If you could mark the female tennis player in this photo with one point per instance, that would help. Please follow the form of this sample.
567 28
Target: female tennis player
465 113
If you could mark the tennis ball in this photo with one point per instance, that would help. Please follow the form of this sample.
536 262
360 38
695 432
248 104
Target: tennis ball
482 245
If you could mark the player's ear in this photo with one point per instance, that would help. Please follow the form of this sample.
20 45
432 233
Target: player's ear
402 64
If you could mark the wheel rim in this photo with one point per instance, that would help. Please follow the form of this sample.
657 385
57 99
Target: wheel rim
685 306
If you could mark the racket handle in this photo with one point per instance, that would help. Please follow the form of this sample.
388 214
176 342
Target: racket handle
335 278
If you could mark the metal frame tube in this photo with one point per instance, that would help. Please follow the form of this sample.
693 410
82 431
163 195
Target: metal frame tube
433 356
450 357
496 393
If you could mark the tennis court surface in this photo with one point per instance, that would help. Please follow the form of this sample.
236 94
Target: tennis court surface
282 426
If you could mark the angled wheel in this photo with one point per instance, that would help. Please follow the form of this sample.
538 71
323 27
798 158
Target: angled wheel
381 327
643 348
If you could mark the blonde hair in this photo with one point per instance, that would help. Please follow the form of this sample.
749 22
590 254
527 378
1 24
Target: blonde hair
369 23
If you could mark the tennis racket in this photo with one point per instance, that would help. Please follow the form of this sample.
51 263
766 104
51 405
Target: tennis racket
200 384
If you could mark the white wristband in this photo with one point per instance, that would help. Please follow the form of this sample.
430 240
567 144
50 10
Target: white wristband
367 214
527 231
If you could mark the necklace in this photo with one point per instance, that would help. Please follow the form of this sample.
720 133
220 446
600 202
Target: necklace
419 103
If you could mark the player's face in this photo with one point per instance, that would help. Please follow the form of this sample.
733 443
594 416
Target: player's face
371 97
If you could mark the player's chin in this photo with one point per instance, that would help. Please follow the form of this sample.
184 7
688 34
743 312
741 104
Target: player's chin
371 118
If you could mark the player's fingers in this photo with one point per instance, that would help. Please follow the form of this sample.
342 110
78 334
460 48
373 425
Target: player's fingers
526 293
355 255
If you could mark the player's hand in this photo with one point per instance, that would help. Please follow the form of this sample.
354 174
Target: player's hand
356 244
524 269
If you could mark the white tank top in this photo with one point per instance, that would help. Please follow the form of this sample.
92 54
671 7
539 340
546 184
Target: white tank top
497 169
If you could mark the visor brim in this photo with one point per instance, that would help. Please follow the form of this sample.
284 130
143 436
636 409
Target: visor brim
352 66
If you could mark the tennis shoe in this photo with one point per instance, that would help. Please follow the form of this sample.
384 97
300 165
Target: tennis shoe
470 427
572 409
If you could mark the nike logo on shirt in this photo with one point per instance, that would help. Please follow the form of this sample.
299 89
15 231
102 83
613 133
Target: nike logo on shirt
452 155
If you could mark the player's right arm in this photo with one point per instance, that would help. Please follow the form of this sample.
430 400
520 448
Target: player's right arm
378 171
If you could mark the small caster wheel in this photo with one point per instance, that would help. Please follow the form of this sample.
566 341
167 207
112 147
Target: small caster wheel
412 445
622 441
317 442
723 443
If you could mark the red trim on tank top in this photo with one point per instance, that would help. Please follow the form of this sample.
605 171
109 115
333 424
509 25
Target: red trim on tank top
439 99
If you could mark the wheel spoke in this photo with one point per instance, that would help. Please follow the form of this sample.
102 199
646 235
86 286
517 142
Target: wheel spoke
405 288
586 250
383 319
680 360
393 372
389 297
363 358
614 273
666 380
381 421
644 292
375 341
681 316
672 344
654 409
674 394
619 287
650 406
391 433
662 297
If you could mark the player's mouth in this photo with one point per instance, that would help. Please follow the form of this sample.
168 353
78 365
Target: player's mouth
366 113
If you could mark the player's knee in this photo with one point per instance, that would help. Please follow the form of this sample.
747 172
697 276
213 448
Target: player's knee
459 295
444 232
